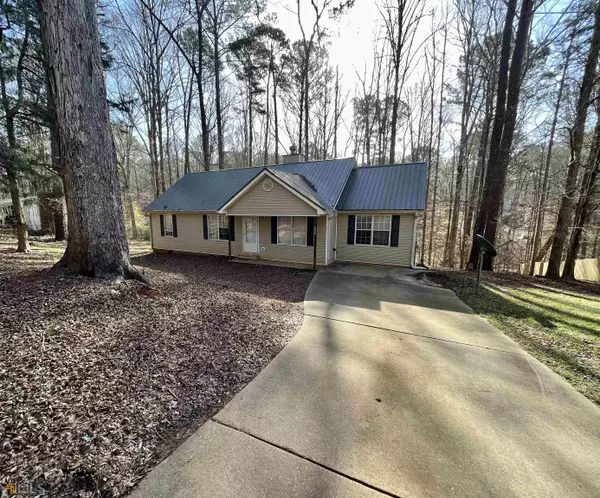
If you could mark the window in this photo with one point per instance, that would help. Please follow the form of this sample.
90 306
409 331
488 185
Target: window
291 230
373 230
381 230
168 221
364 227
218 227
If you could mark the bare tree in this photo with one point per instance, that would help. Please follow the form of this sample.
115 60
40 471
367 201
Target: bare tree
11 108
508 92
565 212
401 20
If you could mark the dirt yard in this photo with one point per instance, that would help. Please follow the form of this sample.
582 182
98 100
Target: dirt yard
99 382
557 322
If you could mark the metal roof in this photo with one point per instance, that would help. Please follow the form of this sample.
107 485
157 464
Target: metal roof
203 191
210 190
327 177
301 185
391 187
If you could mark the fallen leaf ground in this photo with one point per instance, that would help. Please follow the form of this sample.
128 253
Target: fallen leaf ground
558 323
99 381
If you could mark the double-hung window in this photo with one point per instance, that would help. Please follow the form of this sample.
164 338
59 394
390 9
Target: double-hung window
168 222
373 230
291 230
218 227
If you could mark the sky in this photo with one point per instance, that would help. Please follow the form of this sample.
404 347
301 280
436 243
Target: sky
352 41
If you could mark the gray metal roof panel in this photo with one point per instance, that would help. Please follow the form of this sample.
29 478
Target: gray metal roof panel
210 190
391 187
327 177
203 191
300 184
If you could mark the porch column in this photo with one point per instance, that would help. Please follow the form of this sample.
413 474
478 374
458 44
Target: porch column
315 245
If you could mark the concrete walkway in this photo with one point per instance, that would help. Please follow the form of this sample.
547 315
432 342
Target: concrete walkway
392 388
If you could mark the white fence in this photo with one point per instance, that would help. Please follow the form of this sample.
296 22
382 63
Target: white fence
585 269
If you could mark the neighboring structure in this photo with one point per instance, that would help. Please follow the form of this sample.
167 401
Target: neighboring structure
32 213
298 212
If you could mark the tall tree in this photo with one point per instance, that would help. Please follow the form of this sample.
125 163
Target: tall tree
13 52
508 92
97 244
565 212
438 144
585 204
543 195
401 20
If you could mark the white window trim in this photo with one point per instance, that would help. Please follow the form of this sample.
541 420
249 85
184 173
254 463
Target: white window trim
292 231
218 239
170 218
372 216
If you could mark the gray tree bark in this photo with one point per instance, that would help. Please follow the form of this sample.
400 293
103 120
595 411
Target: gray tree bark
97 243
565 212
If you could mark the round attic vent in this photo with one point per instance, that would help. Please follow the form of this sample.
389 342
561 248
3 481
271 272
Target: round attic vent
268 185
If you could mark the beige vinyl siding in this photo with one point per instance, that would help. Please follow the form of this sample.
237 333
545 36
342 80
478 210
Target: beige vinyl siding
279 201
190 236
296 254
381 255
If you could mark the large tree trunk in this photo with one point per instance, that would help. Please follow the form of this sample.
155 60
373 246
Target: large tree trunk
497 127
584 205
565 211
543 198
97 242
504 124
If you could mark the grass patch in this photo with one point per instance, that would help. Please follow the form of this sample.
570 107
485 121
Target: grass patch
557 323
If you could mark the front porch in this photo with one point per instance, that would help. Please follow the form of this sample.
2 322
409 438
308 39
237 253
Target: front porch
297 241
268 262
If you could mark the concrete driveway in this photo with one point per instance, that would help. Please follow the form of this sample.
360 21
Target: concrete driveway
392 388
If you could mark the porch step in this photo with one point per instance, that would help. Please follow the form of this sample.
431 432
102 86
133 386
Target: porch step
247 255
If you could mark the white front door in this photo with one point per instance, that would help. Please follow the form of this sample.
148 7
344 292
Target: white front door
250 233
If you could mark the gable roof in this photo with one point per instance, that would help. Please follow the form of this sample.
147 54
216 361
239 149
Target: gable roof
320 181
328 177
301 185
333 183
204 191
391 187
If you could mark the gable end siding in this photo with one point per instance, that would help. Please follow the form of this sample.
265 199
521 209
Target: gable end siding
279 201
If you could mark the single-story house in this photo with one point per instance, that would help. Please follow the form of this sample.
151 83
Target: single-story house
312 212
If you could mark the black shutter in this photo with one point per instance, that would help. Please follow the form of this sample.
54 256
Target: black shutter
273 229
174 217
351 225
232 228
205 226
162 225
395 231
310 231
